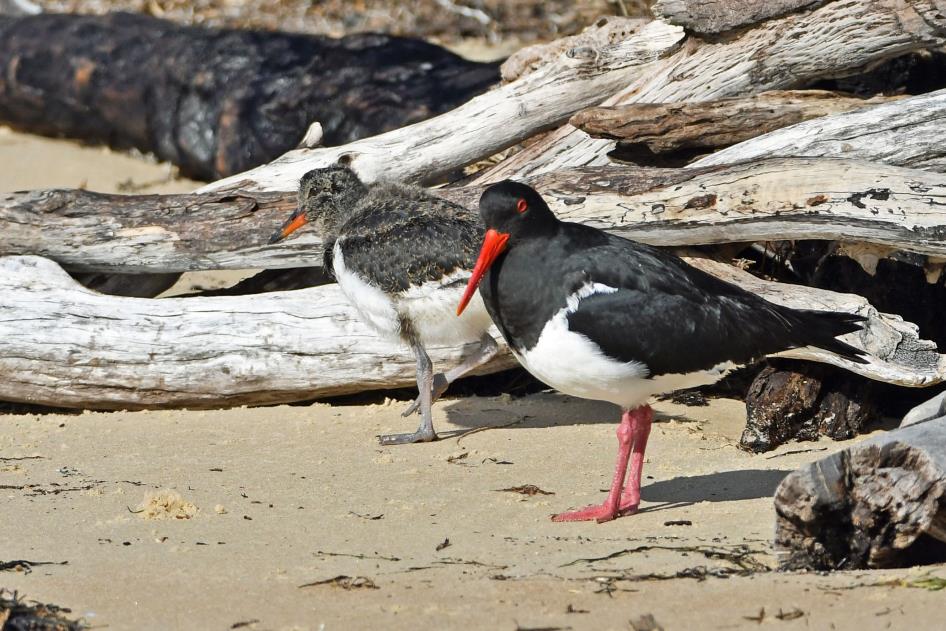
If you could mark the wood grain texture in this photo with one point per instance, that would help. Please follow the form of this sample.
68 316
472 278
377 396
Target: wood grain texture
909 132
717 16
829 41
868 505
666 127
63 345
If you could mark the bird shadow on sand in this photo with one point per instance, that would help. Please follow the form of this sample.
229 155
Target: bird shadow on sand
725 486
545 409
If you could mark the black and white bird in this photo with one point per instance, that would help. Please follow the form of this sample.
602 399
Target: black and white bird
402 257
601 317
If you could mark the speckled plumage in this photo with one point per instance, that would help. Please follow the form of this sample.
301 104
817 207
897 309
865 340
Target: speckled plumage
402 257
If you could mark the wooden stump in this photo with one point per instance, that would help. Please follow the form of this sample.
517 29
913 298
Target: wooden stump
881 503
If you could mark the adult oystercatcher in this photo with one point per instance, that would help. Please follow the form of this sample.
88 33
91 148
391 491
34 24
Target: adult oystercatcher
601 317
402 257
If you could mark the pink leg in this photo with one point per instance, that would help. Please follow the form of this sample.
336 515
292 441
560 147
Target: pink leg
632 441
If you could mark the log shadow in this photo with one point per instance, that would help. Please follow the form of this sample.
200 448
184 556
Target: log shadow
725 486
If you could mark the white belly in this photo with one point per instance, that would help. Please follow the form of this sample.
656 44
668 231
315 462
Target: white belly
571 363
430 308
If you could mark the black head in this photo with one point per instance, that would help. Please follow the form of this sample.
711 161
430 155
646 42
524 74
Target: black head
515 209
510 211
327 197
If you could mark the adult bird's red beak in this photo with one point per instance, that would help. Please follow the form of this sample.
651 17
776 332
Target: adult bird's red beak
493 245
296 221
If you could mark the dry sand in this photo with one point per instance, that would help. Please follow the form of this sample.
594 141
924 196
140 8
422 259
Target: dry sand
245 518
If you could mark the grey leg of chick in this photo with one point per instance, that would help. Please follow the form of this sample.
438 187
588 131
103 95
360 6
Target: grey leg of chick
483 353
425 382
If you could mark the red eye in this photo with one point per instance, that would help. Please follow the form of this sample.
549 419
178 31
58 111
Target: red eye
522 206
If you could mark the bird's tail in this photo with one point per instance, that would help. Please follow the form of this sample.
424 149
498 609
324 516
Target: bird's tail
821 329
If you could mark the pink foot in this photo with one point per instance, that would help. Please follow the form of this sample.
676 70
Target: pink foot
600 513
625 496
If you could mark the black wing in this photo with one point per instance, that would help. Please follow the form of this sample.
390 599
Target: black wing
677 319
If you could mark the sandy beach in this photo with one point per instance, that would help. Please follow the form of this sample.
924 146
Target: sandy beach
293 517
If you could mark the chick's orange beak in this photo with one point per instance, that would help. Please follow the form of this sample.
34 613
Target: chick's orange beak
493 245
291 225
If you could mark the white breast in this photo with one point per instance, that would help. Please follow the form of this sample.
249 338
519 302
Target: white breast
572 363
431 307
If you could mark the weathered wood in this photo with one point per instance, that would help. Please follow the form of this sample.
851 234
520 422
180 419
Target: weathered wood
218 101
581 76
875 504
927 411
717 16
88 231
63 345
798 198
908 132
830 41
666 127
804 401
777 198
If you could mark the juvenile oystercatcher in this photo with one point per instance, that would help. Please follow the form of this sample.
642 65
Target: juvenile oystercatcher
601 317
402 257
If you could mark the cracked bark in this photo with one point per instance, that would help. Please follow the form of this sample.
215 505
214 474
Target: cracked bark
880 503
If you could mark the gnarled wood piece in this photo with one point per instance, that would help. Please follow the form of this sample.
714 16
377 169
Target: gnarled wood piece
875 504
63 345
802 401
666 127
717 16
829 41
908 132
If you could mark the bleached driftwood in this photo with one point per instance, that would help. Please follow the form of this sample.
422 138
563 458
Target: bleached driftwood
832 40
717 16
63 345
909 132
790 198
866 506
581 76
666 127
88 231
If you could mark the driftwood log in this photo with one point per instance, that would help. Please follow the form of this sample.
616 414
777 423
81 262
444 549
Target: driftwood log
218 101
907 132
669 127
879 503
717 16
83 349
765 199
797 49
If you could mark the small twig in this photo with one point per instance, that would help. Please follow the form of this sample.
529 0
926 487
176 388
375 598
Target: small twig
796 451
488 427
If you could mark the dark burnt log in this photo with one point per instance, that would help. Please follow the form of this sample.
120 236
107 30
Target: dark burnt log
218 101
804 401
880 503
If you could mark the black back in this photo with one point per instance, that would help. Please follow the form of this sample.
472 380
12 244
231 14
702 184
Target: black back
399 236
666 314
